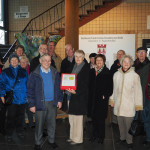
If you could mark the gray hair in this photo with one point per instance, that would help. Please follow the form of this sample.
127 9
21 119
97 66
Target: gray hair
80 52
126 56
67 45
40 46
24 58
46 54
122 51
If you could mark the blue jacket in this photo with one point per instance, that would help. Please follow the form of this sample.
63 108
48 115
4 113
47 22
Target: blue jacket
35 91
7 80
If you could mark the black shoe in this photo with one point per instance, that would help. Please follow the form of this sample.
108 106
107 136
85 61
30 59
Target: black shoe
130 146
9 139
53 145
92 139
45 134
146 143
120 141
37 147
32 127
100 140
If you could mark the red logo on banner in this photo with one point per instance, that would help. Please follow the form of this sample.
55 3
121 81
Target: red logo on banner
101 49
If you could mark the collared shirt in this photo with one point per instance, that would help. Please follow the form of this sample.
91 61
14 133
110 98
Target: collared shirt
45 71
70 60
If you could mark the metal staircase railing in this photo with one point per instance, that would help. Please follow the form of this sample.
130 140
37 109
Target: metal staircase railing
53 19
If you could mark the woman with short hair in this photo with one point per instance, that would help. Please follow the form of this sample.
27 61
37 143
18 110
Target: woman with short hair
126 98
78 99
100 88
8 77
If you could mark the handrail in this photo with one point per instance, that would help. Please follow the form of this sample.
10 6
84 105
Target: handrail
32 27
9 49
41 14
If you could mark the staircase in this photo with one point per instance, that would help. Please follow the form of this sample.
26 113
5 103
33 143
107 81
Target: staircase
52 21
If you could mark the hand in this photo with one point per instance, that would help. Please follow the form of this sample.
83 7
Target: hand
112 105
71 91
59 105
103 97
33 109
3 100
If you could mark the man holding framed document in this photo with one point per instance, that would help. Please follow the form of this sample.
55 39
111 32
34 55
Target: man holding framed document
77 95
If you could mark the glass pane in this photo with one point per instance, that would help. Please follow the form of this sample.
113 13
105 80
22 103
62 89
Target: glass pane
0 9
2 37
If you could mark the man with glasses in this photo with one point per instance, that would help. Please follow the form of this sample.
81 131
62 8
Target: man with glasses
55 57
35 61
142 67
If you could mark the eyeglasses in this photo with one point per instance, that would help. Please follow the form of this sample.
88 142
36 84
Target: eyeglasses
143 52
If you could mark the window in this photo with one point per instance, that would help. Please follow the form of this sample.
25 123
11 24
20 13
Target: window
2 27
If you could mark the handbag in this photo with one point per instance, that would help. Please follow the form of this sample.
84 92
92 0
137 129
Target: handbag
9 95
137 125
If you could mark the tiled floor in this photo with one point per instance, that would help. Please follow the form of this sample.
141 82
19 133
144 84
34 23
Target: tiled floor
62 131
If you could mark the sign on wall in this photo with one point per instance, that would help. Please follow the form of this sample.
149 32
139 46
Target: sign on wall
107 44
23 13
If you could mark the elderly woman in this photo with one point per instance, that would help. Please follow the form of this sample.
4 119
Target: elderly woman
100 88
15 113
126 98
19 51
24 63
78 99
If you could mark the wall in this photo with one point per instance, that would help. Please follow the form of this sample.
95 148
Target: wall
130 17
35 7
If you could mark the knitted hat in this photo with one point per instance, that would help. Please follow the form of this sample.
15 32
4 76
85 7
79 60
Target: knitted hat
142 48
13 56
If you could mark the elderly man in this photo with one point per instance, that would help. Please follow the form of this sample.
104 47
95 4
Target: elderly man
35 61
142 67
116 65
68 63
55 57
44 96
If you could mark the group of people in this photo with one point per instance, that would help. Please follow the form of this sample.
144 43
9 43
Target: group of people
125 87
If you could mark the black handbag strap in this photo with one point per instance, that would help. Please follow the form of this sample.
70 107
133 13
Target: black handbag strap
15 80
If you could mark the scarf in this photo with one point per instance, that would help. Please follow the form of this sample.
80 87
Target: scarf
76 70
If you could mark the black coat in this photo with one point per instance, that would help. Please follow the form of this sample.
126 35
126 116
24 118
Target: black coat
115 66
78 102
99 86
67 66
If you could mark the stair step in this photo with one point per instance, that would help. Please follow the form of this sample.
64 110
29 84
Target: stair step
59 29
82 16
88 11
53 33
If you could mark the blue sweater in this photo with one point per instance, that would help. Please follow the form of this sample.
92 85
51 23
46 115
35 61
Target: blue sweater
35 89
48 85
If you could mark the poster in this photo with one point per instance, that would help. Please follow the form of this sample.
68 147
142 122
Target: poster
107 44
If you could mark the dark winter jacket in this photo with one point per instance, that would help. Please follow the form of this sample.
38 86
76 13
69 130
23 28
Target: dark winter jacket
35 91
115 66
7 80
99 86
67 66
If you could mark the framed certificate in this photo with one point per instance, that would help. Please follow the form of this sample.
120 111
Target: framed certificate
68 81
